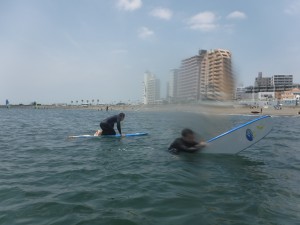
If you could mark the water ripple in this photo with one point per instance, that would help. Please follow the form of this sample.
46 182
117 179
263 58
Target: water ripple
48 179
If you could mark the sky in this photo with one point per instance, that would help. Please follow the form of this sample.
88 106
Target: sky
58 51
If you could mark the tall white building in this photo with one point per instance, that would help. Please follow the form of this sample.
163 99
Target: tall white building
151 89
172 85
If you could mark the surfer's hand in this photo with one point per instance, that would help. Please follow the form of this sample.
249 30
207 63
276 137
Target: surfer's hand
98 133
202 144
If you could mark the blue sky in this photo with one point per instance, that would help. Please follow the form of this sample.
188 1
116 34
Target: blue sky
63 50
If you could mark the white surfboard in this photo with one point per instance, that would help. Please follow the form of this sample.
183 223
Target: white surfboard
241 137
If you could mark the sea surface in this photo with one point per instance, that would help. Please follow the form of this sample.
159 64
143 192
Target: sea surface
46 178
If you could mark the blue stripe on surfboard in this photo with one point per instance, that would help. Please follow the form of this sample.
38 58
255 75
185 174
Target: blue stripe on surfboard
109 136
238 127
126 135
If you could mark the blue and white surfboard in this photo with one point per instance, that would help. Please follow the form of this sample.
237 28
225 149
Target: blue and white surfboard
109 136
241 137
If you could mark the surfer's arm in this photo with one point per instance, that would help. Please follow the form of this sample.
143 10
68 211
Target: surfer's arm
201 144
180 146
119 126
196 147
184 148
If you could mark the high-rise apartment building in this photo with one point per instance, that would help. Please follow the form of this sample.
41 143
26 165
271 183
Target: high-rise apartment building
151 88
216 78
207 75
189 78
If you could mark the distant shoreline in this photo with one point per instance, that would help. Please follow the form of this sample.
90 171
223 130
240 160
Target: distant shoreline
226 110
196 108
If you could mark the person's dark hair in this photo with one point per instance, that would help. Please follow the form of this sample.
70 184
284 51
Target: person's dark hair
186 132
122 115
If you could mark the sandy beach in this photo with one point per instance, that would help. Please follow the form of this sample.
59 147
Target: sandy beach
226 110
196 108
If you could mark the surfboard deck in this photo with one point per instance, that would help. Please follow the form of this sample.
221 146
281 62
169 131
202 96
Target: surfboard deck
109 136
241 137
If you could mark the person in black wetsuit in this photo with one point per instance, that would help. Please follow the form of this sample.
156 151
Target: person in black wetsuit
186 143
107 125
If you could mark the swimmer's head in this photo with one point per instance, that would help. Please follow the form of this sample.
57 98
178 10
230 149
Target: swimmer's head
188 135
122 116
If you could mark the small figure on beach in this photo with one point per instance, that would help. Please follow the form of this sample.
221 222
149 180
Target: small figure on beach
260 110
186 143
107 125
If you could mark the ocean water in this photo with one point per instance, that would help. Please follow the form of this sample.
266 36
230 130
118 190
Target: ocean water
47 178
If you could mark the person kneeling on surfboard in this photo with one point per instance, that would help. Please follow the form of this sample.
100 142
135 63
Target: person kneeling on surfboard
186 143
107 125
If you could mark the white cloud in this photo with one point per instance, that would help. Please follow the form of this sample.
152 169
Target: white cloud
237 15
145 32
205 21
129 5
293 8
162 13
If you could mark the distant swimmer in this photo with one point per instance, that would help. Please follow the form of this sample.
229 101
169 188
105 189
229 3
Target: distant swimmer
186 143
107 125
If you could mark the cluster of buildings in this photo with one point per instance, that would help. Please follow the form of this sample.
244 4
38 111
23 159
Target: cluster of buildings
273 90
205 76
208 76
